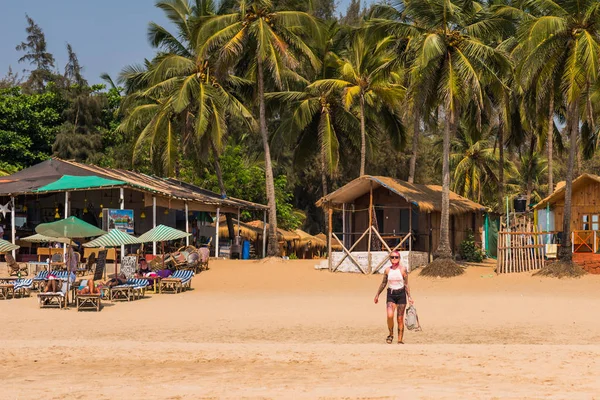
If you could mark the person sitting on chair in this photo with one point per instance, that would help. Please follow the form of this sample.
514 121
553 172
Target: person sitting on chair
87 286
144 268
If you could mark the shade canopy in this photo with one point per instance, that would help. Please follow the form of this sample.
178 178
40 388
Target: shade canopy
114 238
71 227
162 233
6 246
37 238
70 182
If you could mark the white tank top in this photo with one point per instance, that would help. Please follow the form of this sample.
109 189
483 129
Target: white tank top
395 279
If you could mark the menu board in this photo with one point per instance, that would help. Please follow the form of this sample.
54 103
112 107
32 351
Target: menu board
100 265
129 266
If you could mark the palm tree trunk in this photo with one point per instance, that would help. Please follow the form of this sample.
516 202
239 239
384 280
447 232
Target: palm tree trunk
501 127
273 245
415 146
550 139
444 250
219 173
324 172
363 136
529 177
573 121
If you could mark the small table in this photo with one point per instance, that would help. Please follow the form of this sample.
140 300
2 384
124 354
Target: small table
7 289
155 282
8 280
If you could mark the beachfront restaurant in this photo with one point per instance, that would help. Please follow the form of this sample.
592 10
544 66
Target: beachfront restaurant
111 198
374 214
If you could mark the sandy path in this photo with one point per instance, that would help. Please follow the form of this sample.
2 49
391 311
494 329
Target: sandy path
281 330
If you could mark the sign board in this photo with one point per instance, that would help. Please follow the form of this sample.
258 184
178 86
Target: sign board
100 265
129 266
117 219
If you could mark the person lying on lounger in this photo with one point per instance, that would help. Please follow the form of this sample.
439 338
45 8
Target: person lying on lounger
53 285
87 286
120 280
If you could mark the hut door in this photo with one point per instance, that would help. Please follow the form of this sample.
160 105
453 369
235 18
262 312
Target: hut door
379 218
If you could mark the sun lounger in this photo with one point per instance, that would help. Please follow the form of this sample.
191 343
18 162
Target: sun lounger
180 280
7 290
23 287
53 299
39 279
131 290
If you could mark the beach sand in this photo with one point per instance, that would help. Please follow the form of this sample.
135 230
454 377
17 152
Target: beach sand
281 329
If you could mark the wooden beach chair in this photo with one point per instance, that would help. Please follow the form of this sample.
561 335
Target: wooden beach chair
39 279
57 262
178 282
133 289
88 266
15 267
22 287
54 299
204 257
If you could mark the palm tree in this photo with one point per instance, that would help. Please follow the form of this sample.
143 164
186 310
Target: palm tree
474 160
561 42
179 105
448 60
272 40
369 82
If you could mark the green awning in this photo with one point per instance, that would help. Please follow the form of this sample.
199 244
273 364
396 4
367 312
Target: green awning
70 182
114 238
71 227
162 233
6 246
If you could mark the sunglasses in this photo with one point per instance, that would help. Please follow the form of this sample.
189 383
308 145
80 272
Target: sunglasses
392 257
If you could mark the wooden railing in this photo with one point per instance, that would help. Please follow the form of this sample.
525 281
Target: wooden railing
520 252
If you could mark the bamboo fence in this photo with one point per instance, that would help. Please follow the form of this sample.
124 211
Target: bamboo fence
520 252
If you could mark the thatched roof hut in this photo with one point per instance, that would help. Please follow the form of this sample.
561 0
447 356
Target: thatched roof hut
282 234
308 239
335 246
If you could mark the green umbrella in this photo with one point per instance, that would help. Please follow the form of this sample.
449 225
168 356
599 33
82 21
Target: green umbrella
162 233
71 227
37 238
6 246
114 238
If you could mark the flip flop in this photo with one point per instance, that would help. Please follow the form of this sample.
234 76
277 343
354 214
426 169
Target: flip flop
389 339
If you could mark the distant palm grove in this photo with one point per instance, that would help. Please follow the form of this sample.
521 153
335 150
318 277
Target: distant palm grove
283 101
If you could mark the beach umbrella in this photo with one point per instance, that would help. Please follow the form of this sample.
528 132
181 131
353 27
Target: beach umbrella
6 246
70 228
162 233
37 238
114 238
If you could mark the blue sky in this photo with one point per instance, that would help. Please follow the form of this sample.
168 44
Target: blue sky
106 35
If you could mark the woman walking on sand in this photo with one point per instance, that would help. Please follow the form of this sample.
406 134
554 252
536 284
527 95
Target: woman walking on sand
396 280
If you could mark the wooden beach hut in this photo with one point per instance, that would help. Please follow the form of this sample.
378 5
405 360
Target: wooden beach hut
308 246
585 214
380 213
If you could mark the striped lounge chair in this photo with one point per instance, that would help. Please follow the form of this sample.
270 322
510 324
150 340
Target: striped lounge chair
131 290
179 281
23 286
39 279
53 299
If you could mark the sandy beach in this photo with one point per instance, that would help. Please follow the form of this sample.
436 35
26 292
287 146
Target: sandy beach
277 329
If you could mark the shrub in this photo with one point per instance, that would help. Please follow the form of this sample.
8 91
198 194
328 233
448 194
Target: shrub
469 250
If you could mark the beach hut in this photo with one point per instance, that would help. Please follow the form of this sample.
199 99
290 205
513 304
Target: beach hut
285 238
308 246
378 213
585 214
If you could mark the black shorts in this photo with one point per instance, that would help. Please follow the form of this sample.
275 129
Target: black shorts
396 296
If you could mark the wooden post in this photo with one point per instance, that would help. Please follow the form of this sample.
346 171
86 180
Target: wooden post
13 228
122 207
370 228
187 224
217 232
329 234
409 229
154 223
264 243
65 216
344 223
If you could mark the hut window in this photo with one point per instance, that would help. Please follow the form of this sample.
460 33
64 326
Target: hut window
595 222
586 222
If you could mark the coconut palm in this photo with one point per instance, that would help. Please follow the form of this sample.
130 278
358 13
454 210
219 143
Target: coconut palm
449 60
273 41
560 41
369 82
